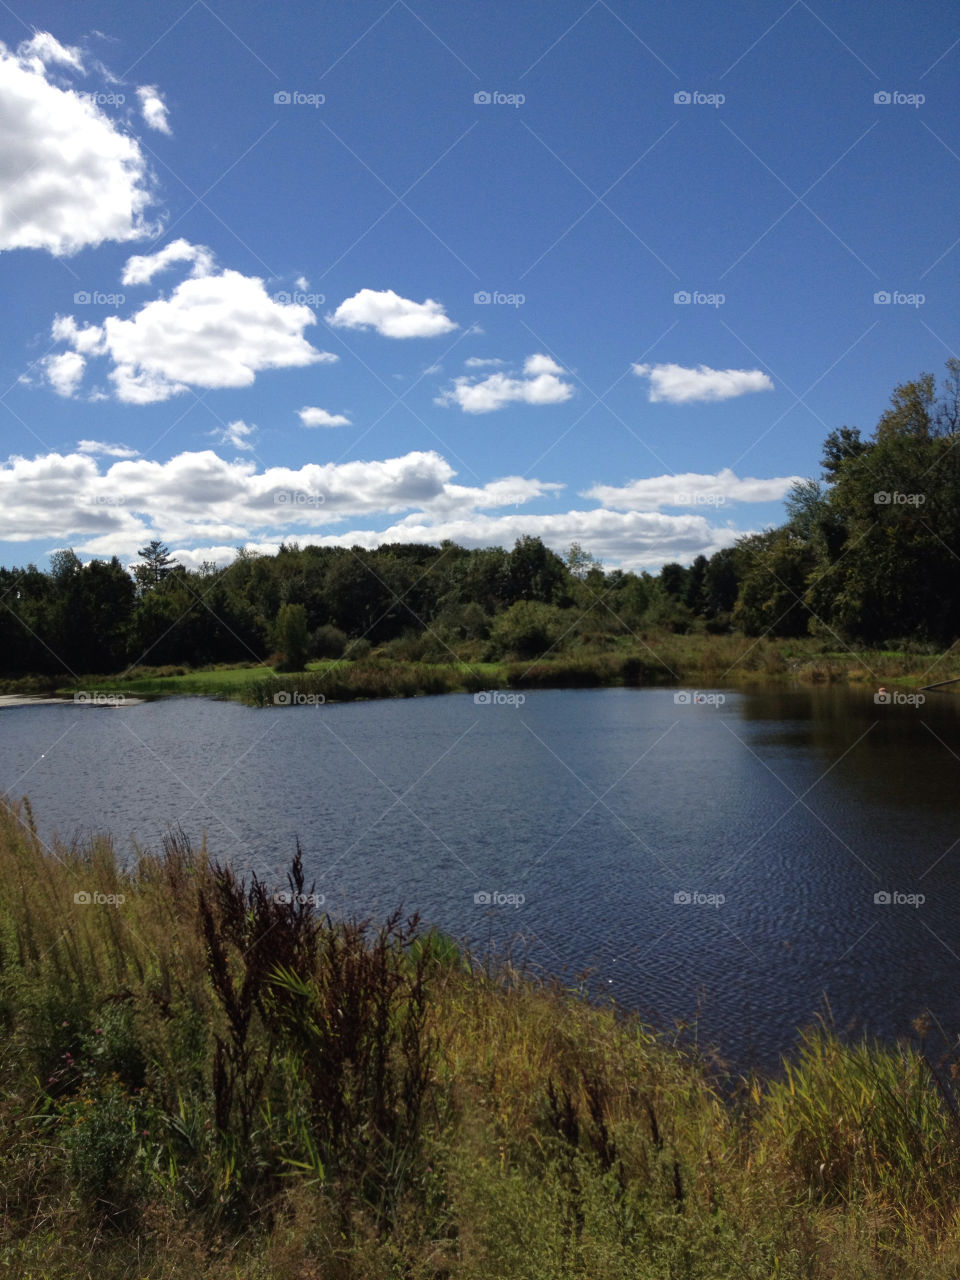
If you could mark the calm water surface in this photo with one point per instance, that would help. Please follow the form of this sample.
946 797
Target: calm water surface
598 806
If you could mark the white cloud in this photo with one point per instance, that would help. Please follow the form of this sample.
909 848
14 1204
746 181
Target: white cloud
153 108
679 385
209 505
237 434
541 384
141 268
69 177
690 490
391 315
43 48
313 417
199 497
65 372
213 331
109 450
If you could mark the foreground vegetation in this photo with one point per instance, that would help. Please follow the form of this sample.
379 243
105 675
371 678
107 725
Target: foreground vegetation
200 1077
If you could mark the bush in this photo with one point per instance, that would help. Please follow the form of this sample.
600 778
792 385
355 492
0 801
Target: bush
528 629
328 642
358 649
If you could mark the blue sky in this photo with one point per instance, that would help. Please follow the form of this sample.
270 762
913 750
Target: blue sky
248 257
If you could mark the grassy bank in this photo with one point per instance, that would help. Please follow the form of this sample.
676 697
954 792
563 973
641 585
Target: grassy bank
661 659
198 1079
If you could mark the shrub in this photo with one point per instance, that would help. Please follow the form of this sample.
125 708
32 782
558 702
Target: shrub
328 642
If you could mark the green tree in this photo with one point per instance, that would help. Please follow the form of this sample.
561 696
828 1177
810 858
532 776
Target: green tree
292 637
529 629
157 564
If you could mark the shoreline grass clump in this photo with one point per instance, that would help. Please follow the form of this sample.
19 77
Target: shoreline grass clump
201 1075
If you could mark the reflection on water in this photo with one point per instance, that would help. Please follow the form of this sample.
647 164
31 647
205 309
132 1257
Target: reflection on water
599 808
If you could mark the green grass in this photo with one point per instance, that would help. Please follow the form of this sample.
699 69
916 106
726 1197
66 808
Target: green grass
201 1081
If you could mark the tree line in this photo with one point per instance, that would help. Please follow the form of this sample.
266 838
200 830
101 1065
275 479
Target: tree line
869 553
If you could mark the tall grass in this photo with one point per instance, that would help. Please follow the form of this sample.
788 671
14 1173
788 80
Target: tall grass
208 1079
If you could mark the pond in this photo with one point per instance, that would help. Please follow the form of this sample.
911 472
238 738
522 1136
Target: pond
717 858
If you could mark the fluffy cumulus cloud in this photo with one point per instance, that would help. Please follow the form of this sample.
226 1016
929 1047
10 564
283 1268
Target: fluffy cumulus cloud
541 383
204 506
153 108
679 385
630 540
310 416
69 178
198 497
216 329
690 490
392 316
